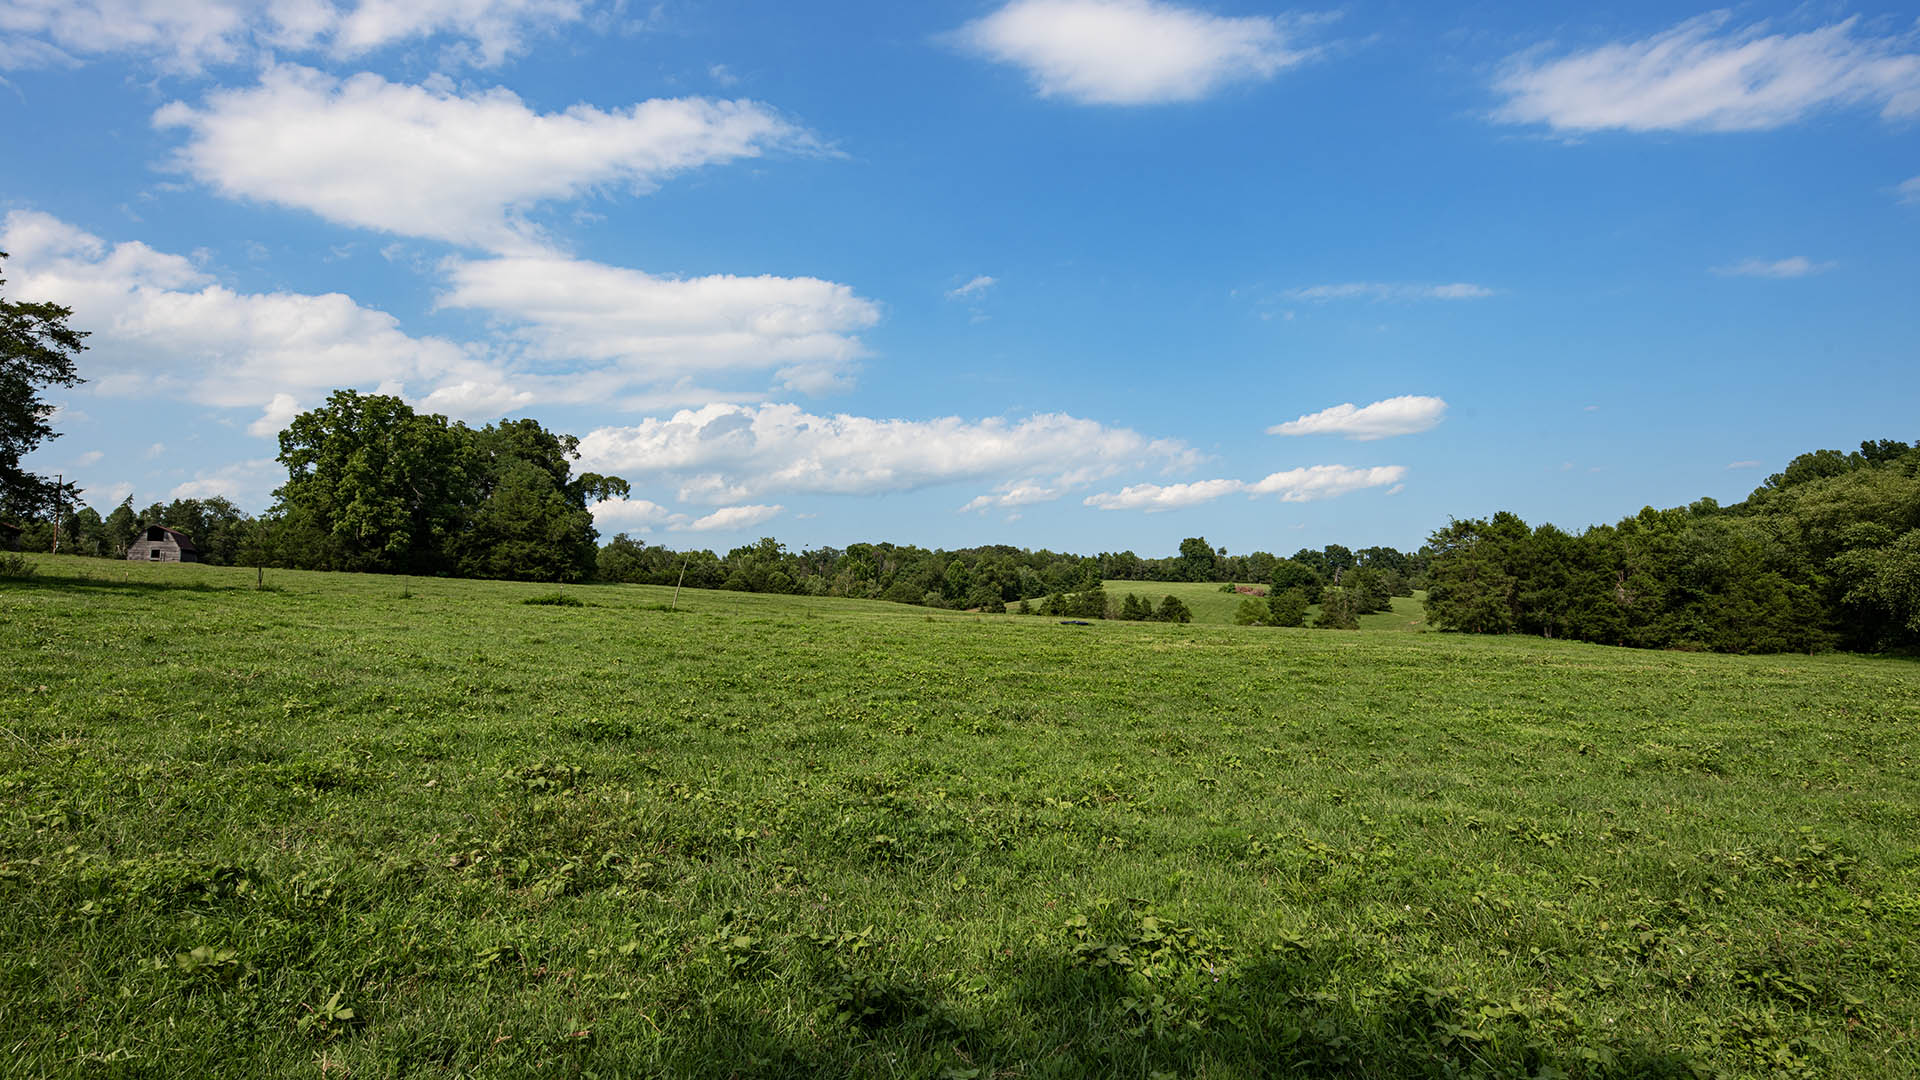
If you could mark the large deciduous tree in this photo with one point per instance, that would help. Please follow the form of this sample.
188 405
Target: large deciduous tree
37 350
373 485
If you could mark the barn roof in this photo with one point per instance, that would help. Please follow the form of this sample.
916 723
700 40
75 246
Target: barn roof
178 537
8 526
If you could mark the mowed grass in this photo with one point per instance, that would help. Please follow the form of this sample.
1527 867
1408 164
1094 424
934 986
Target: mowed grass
360 826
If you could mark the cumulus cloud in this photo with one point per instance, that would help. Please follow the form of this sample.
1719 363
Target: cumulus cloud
432 161
1021 493
1294 485
1796 267
275 417
726 452
1154 498
660 328
1909 190
1382 290
1408 414
188 37
1706 75
1130 52
619 515
162 325
975 287
733 517
248 483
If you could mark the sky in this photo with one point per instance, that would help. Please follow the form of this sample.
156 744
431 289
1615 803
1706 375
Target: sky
1089 275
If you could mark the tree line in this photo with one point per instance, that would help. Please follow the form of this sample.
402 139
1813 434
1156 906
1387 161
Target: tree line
1824 554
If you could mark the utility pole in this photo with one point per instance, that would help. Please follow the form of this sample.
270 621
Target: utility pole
59 480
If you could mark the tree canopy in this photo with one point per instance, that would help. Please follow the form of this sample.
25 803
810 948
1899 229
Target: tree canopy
37 350
372 485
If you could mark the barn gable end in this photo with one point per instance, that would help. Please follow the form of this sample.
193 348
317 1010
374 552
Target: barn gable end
157 543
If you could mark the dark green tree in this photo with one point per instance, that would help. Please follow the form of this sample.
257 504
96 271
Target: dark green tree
1174 610
1336 611
37 350
371 485
1196 559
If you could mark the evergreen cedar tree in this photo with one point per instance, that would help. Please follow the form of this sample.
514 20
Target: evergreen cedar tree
37 350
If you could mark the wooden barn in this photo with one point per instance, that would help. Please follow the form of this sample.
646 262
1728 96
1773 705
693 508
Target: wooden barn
157 543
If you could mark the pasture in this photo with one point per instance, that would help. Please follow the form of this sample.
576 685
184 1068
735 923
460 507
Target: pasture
366 826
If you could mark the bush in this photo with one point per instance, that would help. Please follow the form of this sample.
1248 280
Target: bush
1287 608
1253 612
15 565
1134 609
555 599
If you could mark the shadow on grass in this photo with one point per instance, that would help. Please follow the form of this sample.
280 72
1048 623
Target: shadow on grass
1266 1019
46 582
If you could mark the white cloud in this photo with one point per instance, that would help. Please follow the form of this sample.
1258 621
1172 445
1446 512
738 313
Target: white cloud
1129 52
733 517
1294 485
187 37
1326 481
1382 290
431 161
247 483
659 328
162 325
1023 493
1796 267
1154 498
1743 465
1704 75
617 515
275 417
975 287
88 458
1408 414
1909 190
738 451
155 451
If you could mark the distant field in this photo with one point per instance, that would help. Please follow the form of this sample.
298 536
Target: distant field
368 827
1211 606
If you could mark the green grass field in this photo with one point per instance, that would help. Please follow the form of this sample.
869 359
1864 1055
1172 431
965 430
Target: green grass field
369 827
1210 606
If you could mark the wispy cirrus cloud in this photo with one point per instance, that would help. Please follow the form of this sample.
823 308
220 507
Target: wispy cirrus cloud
975 287
1709 75
1131 52
1908 191
1798 266
1293 485
433 161
1408 414
1385 290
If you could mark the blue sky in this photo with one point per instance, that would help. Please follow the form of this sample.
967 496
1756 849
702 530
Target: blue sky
1080 274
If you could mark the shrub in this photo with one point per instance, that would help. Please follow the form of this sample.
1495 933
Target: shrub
1287 607
15 565
1253 612
555 599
